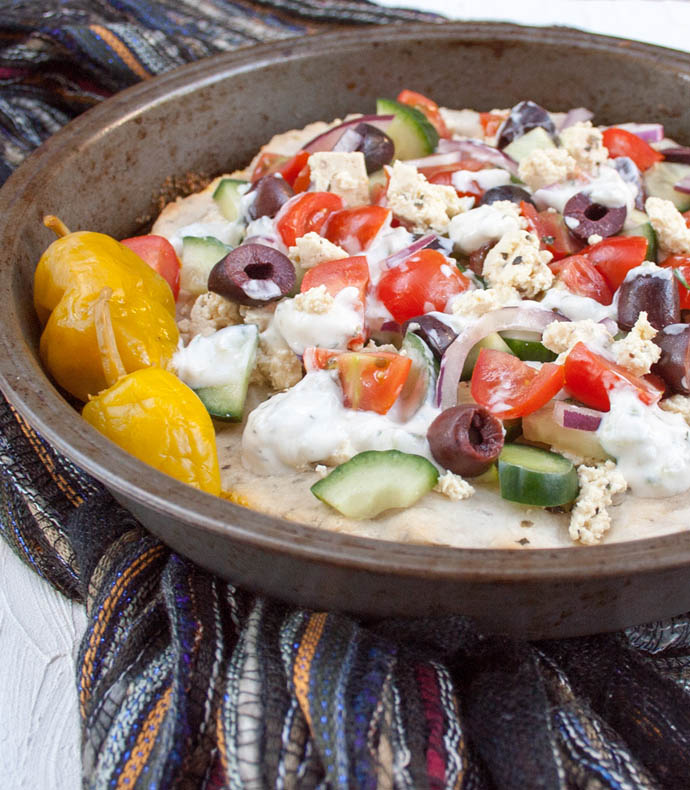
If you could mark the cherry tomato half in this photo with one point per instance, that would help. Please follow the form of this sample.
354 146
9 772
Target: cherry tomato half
621 142
371 381
423 282
616 256
510 388
339 274
551 230
160 255
580 276
426 106
305 214
354 229
589 377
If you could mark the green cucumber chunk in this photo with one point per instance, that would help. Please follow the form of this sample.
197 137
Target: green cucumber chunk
228 194
412 134
533 476
376 480
231 350
527 346
493 341
660 178
199 255
533 140
420 384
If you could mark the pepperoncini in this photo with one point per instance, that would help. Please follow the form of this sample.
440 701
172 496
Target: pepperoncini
106 312
151 414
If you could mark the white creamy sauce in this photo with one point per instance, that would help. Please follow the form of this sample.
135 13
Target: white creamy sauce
464 180
330 329
387 242
608 189
308 424
479 226
207 360
651 269
651 446
577 308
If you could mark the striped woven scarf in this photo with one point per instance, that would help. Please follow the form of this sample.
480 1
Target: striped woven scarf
185 681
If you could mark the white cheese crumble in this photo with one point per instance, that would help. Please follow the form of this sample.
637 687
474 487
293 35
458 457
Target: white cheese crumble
474 304
546 166
462 123
590 518
585 143
413 199
209 313
453 486
484 225
561 336
279 366
311 249
595 238
315 300
677 404
672 233
636 351
340 172
516 261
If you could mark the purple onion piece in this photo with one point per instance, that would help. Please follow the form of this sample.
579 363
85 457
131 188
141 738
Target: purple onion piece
683 185
479 151
649 132
326 140
581 418
678 154
398 257
576 115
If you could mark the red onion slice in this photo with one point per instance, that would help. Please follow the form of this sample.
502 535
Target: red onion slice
610 324
683 185
437 160
479 151
328 139
567 415
678 154
576 115
533 319
398 257
649 132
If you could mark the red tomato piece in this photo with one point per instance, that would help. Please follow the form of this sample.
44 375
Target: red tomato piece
339 274
289 167
303 180
616 256
490 122
621 142
686 217
589 377
354 229
305 214
551 230
372 381
160 255
681 263
268 162
423 282
315 358
580 276
426 106
510 388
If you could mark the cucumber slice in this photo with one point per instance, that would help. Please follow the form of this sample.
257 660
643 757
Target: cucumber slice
533 476
376 480
199 255
420 384
410 131
228 194
660 178
647 231
232 352
527 346
493 341
523 146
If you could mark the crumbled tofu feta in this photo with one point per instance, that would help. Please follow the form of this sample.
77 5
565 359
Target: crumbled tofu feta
595 238
321 470
316 300
209 313
585 143
311 249
636 351
279 366
343 173
546 166
671 231
484 225
413 199
516 261
454 487
561 336
473 304
261 317
462 123
590 518
677 404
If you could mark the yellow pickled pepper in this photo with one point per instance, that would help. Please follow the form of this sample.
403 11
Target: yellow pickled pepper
157 418
106 313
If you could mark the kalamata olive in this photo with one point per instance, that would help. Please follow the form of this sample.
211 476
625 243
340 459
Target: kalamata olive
511 192
674 363
525 116
478 256
466 439
585 218
376 146
655 293
271 192
252 274
437 335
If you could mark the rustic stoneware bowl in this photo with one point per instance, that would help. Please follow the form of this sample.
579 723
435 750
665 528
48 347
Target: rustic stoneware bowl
101 172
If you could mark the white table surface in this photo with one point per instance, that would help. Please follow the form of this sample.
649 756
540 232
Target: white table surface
40 630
